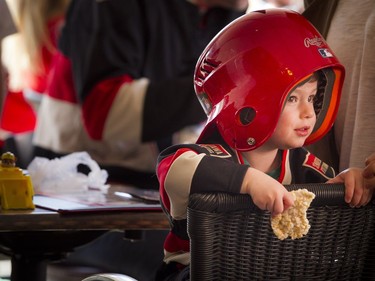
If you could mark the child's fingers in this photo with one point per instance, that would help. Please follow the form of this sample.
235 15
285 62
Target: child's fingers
356 199
360 192
349 189
334 180
366 197
370 159
369 171
282 203
369 182
288 201
278 206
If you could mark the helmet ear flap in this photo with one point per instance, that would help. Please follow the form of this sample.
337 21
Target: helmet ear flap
326 101
246 115
322 82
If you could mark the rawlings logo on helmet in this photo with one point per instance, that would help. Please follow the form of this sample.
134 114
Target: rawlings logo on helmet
316 41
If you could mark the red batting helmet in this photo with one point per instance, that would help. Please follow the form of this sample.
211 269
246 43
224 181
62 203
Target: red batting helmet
245 73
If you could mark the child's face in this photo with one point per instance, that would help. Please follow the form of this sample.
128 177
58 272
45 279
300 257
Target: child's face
297 119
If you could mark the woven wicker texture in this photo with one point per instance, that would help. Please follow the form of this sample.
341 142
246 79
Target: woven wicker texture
231 239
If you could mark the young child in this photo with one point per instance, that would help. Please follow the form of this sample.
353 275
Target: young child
269 85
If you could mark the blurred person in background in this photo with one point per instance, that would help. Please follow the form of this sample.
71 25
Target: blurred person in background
27 57
122 87
6 28
349 27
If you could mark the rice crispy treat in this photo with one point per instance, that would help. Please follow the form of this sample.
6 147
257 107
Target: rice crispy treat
293 222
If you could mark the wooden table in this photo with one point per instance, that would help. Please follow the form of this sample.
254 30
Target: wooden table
32 238
45 220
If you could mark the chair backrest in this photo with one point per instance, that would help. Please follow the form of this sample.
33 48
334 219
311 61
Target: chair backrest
231 239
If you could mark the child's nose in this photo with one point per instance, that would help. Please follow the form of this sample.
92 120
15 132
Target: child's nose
307 110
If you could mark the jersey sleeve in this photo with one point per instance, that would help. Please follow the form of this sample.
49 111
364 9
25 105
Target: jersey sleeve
183 170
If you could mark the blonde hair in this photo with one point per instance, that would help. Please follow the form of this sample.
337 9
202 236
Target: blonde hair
31 17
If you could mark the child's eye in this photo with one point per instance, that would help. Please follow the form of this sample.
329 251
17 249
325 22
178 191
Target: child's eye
312 98
292 99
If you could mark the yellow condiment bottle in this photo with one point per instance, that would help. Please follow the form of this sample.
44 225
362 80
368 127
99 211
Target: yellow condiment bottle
16 189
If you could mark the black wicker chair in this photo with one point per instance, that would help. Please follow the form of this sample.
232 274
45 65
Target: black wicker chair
231 239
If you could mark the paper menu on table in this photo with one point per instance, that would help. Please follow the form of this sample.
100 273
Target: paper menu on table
118 198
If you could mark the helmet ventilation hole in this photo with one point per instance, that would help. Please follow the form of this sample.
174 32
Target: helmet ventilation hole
246 115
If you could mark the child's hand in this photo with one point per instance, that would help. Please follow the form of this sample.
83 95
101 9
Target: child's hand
356 193
266 192
369 171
